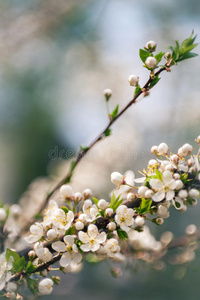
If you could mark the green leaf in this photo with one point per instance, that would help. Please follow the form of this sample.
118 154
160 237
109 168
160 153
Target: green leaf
108 132
84 148
187 56
73 165
32 285
122 234
65 209
119 202
10 253
184 177
115 111
95 200
30 268
19 264
70 231
158 174
159 56
137 89
115 202
145 205
154 81
144 54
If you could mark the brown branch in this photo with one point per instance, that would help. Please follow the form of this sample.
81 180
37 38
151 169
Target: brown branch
82 153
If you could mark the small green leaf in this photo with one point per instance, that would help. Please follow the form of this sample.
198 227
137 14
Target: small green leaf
184 177
84 148
70 231
10 253
137 89
73 165
159 56
158 174
65 209
19 264
115 202
108 132
154 81
115 111
30 268
119 202
95 200
122 234
32 285
144 54
145 205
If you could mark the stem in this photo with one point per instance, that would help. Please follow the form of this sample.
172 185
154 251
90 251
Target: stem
82 153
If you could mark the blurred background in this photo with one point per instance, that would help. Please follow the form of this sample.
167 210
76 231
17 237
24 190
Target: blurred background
56 58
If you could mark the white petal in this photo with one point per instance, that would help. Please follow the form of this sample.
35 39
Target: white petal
95 247
68 239
59 246
167 177
83 237
156 184
159 196
92 231
65 259
86 247
124 227
140 180
120 210
170 195
77 257
101 238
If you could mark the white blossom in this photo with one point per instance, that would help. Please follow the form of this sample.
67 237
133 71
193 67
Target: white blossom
66 191
112 247
79 225
124 217
92 239
45 286
117 178
142 190
194 193
62 220
109 211
111 226
163 149
151 62
52 234
163 188
107 93
102 204
87 193
5 267
133 80
37 232
139 221
151 46
69 249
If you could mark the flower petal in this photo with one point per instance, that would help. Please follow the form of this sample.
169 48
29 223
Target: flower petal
159 196
92 231
68 239
83 237
86 247
59 246
65 259
101 238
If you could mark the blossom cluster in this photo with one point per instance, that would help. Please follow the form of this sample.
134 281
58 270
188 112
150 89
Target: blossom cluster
85 224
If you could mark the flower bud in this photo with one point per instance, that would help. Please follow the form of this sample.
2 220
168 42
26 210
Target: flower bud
107 93
162 211
176 176
163 149
78 196
82 218
154 150
187 148
153 163
179 184
44 273
148 194
150 46
159 221
139 221
109 212
31 254
142 190
130 196
151 62
51 234
45 286
87 193
66 191
197 139
167 55
111 226
79 225
102 204
87 204
193 193
183 194
117 178
3 214
174 158
133 80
